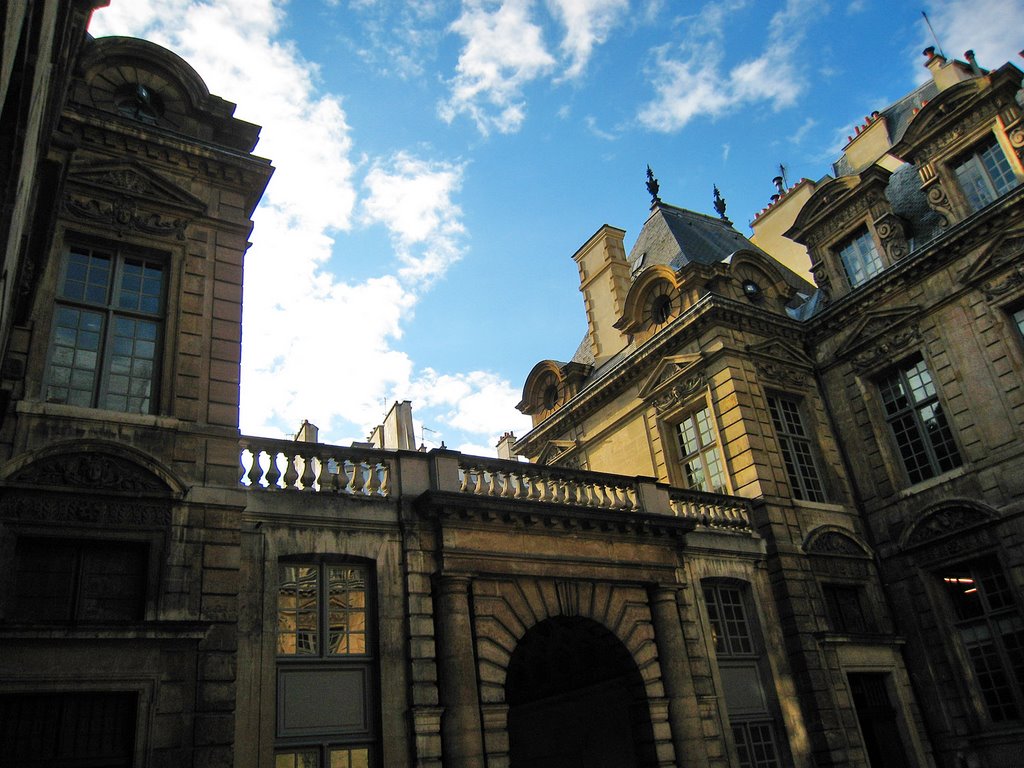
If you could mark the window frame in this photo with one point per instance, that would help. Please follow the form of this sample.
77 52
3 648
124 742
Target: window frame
366 663
987 619
974 155
799 450
853 243
835 614
909 416
733 649
713 447
119 254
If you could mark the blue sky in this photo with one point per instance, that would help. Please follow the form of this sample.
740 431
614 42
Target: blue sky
438 163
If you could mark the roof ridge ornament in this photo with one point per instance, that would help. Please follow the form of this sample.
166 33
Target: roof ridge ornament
652 188
720 205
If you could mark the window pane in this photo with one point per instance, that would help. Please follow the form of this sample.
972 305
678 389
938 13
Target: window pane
860 258
346 610
796 449
350 758
298 610
984 174
87 276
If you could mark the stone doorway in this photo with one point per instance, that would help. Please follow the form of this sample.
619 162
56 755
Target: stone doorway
576 700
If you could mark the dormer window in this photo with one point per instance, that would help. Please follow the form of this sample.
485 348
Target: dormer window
984 174
550 395
860 257
661 309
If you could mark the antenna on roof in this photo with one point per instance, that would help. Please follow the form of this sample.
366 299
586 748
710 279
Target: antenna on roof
785 181
934 36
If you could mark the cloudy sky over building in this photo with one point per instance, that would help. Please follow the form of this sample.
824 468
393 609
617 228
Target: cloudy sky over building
438 163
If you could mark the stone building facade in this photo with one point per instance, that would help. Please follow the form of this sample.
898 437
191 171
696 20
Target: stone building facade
771 515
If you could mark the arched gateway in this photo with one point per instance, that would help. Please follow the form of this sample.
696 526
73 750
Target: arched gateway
576 699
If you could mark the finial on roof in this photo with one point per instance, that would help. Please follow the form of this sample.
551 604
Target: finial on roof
653 187
720 205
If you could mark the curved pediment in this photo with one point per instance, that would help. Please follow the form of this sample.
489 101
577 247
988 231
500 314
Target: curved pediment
831 540
938 111
949 518
821 200
90 465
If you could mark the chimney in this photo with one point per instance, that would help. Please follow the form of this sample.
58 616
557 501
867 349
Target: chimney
777 181
969 55
397 432
505 447
308 433
604 282
946 73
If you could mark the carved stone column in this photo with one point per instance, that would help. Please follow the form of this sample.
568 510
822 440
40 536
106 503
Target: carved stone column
461 735
683 712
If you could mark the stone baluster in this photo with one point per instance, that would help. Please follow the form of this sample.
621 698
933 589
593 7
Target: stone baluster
373 480
308 477
384 489
291 474
356 479
273 473
255 471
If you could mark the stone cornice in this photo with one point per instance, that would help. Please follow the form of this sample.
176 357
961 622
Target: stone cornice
947 247
456 509
637 365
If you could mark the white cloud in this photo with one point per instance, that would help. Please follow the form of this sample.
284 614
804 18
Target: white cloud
316 346
991 28
504 50
413 199
588 24
477 402
689 81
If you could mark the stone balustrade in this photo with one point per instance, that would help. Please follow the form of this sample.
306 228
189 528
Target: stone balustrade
298 466
287 465
495 478
711 510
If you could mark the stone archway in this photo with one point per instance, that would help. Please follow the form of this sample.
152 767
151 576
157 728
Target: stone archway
576 699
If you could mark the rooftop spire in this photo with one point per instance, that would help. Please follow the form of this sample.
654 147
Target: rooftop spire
720 205
653 187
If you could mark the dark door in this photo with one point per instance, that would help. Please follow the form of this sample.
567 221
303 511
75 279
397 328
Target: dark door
877 718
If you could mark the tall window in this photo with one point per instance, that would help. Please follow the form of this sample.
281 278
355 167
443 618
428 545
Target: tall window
106 331
738 658
984 174
991 629
845 606
796 449
860 257
917 421
83 580
326 666
700 456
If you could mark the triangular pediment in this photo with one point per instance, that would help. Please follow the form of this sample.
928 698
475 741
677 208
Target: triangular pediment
135 181
554 450
1007 248
670 371
874 325
781 351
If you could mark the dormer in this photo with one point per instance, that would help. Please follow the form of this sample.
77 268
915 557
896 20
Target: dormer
967 142
549 386
849 227
654 300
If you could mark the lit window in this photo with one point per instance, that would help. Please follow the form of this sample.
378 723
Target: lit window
992 632
321 610
796 449
739 669
700 456
984 174
860 257
83 580
917 421
325 654
104 351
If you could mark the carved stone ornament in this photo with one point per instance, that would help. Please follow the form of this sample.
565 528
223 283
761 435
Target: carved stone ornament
124 216
938 201
890 231
54 508
782 374
676 394
835 543
944 522
127 179
886 348
996 288
94 471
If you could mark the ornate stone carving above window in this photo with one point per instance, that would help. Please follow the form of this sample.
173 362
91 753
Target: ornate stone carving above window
90 470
